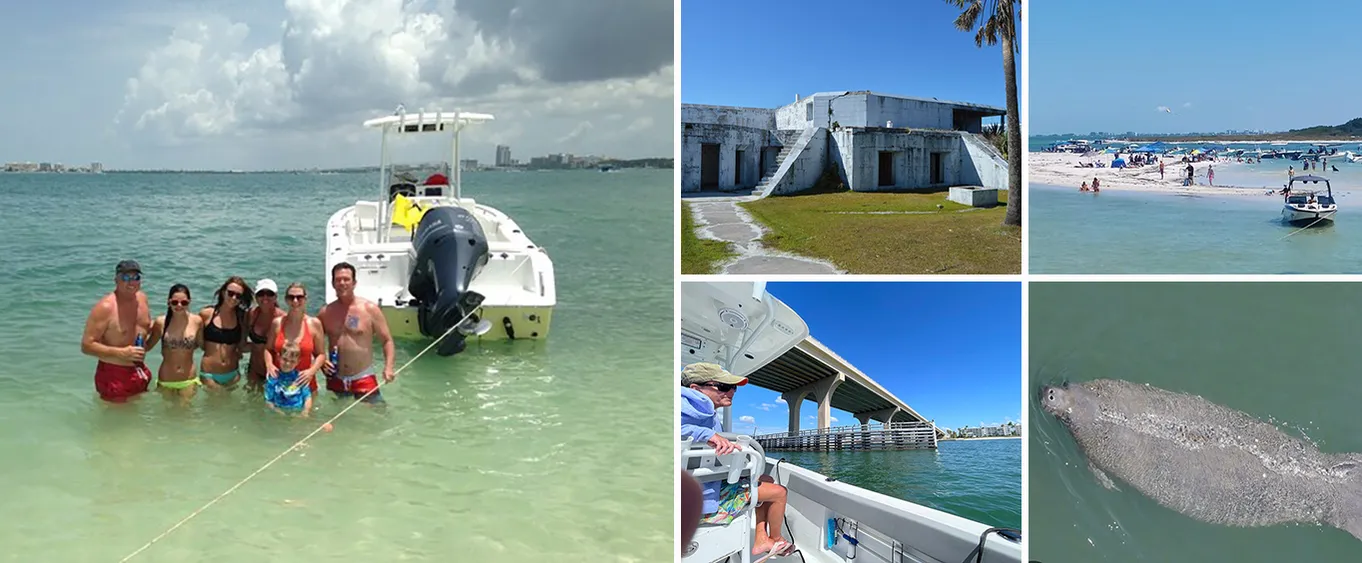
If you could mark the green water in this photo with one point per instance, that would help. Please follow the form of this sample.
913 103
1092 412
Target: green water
975 479
508 452
1276 351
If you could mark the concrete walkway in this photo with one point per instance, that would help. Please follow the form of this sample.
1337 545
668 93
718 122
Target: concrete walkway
720 218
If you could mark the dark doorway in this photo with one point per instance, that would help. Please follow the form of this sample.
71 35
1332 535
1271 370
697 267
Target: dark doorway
886 168
737 167
709 166
938 174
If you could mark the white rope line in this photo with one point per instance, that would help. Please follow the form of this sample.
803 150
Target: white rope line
294 446
1318 219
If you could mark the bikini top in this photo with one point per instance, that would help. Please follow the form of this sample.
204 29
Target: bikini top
219 335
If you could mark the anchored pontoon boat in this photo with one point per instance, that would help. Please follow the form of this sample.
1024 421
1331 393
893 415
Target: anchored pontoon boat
1308 207
740 326
437 263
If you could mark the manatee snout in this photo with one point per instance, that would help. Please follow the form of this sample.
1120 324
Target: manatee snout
1056 399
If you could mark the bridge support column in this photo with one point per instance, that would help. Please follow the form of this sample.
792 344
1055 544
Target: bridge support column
822 391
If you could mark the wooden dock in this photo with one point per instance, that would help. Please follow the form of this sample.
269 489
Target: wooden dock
888 436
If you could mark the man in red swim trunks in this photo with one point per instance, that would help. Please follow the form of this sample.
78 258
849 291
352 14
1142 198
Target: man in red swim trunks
351 324
111 332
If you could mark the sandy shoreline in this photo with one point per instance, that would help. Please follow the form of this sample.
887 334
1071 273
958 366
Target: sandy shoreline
1061 169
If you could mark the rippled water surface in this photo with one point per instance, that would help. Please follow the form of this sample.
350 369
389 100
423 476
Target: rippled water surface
508 452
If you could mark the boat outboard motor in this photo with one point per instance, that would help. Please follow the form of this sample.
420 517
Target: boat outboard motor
450 251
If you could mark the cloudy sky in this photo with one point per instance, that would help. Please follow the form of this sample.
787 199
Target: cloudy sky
260 84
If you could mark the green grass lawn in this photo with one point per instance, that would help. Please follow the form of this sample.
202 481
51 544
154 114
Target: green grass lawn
933 241
700 256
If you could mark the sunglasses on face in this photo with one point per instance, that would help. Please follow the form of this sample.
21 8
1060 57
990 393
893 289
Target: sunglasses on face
295 297
721 387
262 294
234 294
179 302
130 277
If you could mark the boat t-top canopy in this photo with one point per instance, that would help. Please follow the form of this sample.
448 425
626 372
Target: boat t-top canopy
426 122
1311 179
402 123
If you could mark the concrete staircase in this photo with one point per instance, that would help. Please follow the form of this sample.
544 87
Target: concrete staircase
763 184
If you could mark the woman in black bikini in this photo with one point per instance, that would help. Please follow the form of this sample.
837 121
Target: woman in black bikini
224 335
180 334
259 320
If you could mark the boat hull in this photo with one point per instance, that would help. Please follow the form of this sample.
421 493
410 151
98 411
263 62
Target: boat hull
1305 217
526 322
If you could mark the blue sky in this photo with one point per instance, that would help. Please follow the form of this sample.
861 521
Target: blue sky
950 350
763 53
1218 65
254 84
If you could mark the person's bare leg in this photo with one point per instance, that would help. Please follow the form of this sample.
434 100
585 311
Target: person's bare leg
763 541
773 500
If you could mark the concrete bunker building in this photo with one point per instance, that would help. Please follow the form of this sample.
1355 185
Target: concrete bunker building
877 142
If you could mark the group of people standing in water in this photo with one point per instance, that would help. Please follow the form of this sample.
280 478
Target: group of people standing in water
288 348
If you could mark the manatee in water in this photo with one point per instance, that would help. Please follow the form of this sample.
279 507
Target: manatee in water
1209 462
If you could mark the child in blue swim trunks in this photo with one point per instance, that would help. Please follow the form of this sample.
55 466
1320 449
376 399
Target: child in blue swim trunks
282 392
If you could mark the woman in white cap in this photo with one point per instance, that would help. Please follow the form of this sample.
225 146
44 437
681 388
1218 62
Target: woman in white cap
259 320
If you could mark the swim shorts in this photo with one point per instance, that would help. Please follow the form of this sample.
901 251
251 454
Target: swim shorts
355 385
117 383
733 497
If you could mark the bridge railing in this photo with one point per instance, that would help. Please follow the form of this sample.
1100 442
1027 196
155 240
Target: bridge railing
884 436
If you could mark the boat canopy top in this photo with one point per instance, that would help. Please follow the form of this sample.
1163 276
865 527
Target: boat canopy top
1311 179
426 122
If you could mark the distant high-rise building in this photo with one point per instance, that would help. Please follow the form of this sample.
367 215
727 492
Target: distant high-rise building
503 155
96 167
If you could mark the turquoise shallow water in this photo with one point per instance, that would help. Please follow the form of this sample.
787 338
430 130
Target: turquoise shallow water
1260 348
975 479
508 452
1117 232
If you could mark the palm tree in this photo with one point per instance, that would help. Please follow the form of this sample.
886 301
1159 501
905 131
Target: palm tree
999 26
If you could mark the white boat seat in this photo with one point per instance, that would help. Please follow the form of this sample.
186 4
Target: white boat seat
732 541
366 216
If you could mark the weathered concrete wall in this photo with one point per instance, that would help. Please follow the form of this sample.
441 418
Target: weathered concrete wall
981 164
802 168
760 118
808 112
730 139
907 113
859 153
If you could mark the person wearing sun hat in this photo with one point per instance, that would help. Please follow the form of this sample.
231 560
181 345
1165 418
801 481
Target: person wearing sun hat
259 319
705 387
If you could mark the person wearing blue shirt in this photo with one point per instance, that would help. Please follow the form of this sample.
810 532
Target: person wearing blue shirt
705 387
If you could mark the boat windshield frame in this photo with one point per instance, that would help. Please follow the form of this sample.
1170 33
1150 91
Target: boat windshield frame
422 122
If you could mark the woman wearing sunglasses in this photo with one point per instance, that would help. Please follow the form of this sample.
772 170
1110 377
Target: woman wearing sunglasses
259 319
295 329
706 387
224 335
179 334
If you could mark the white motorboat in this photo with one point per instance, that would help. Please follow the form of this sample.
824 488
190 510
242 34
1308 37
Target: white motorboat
440 265
742 327
1309 207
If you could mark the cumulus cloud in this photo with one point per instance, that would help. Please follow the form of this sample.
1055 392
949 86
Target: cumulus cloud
547 69
781 400
769 406
747 419
832 419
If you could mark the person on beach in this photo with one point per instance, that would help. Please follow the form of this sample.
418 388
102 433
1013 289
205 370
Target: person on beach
1095 184
1084 187
1290 173
179 332
259 319
351 324
1160 170
224 337
301 331
1210 175
705 387
112 330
